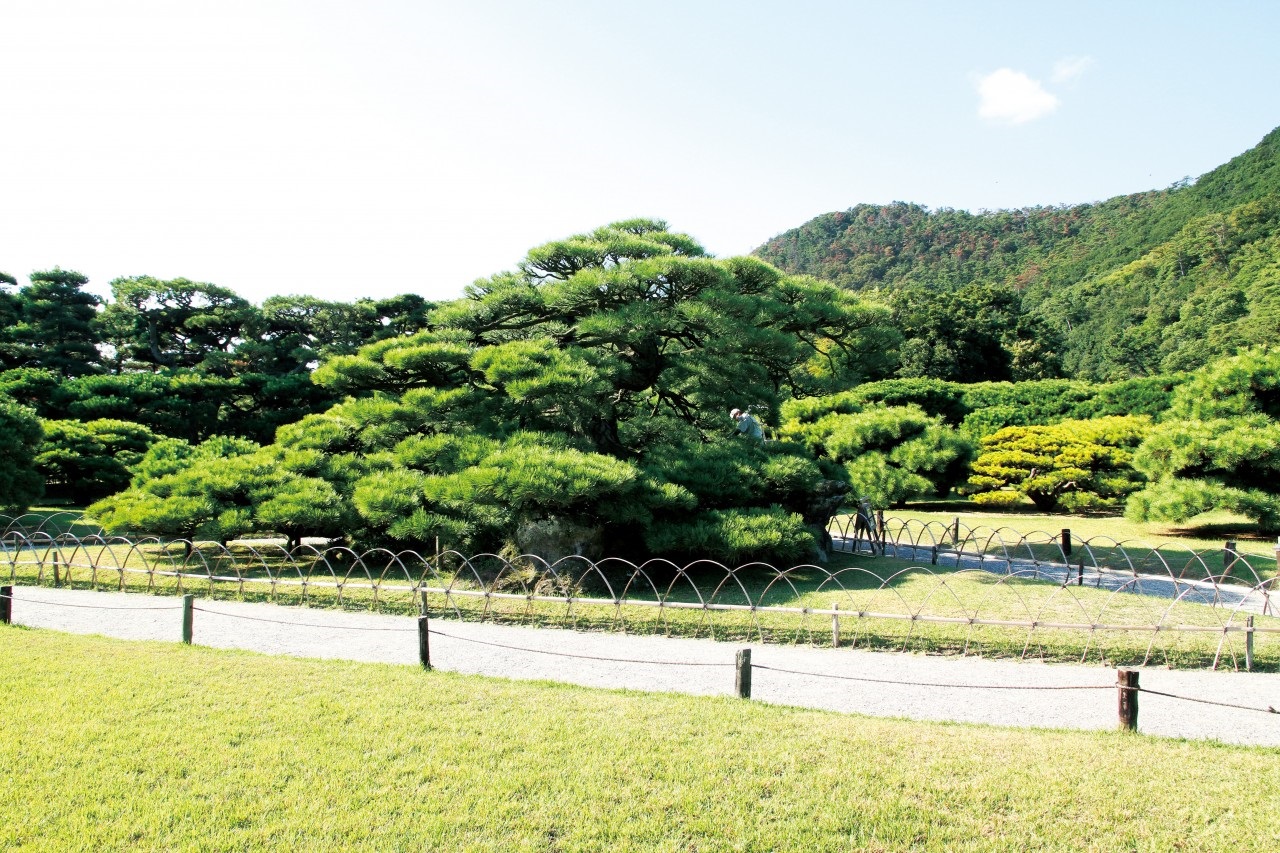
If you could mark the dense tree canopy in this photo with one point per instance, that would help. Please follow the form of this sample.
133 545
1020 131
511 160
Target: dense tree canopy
589 387
977 333
50 325
612 335
1073 465
178 323
85 461
20 438
179 358
890 454
1220 449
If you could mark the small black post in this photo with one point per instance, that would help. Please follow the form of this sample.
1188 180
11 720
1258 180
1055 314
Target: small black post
6 604
57 577
1066 543
933 556
1248 644
188 616
1080 573
1127 685
742 683
424 642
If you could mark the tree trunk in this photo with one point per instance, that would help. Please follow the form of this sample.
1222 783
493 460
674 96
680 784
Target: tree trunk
603 432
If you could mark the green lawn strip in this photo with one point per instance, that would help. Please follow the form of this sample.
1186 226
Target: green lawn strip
855 584
1192 551
53 520
113 745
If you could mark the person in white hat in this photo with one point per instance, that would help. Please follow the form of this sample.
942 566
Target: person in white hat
747 425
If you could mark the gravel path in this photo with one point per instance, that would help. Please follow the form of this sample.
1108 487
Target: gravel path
542 653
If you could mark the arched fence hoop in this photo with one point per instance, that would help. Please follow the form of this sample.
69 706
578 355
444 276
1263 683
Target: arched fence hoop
1174 604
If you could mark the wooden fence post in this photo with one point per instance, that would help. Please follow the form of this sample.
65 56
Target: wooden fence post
1066 543
880 530
57 577
424 642
188 616
835 625
1248 644
1229 557
742 681
955 533
6 604
1127 686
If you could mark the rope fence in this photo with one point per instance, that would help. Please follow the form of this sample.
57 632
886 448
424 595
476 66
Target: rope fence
1127 685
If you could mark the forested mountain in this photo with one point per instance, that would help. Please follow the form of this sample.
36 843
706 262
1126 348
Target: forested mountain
1136 285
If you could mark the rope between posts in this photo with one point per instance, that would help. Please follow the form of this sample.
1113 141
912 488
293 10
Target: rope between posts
85 606
297 624
579 657
1266 710
932 684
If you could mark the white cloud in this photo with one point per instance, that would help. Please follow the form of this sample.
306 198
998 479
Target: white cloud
1070 69
1013 97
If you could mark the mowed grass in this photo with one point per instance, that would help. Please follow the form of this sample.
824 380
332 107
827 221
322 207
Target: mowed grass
113 745
53 520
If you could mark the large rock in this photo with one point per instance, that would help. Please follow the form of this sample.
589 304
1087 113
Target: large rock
553 538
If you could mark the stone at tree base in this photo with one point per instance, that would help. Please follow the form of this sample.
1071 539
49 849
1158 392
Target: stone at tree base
554 538
826 500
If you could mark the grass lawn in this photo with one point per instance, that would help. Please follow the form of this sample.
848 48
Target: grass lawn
112 745
1208 532
51 519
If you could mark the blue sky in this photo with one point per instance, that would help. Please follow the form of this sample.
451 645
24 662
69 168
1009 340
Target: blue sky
348 149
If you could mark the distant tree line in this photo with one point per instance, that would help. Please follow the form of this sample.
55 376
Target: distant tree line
176 359
1140 285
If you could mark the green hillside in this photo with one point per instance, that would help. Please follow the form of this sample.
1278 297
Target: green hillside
1132 286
